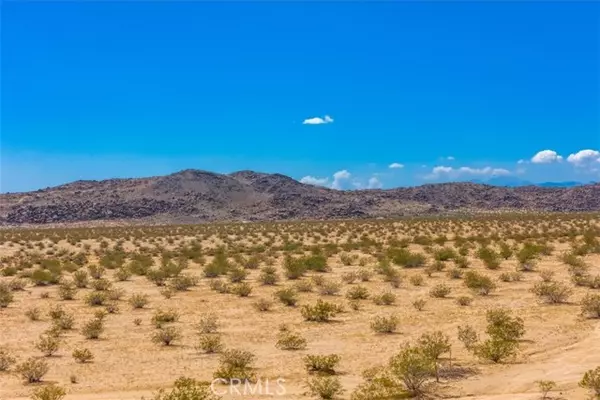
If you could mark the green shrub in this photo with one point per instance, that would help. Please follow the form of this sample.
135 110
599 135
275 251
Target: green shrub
330 288
50 392
34 314
419 304
322 311
287 296
417 280
243 289
464 300
166 335
82 355
287 340
162 317
479 283
48 345
304 286
67 291
209 323
381 324
413 368
93 328
210 343
269 276
590 305
235 364
96 298
591 381
385 299
325 387
80 278
6 359
138 300
321 364
32 370
187 389
237 274
496 349
6 296
502 325
440 291
552 292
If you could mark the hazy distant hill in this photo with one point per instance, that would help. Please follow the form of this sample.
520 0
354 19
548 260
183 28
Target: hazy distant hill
194 196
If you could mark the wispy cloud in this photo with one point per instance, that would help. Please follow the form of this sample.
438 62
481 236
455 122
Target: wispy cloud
546 157
374 183
454 173
318 120
395 165
311 180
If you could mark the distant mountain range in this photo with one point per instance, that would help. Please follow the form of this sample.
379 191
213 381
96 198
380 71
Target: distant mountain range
508 181
200 196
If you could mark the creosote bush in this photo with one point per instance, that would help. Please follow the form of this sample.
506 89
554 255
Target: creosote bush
33 369
82 355
591 381
235 364
325 387
383 324
166 335
50 392
321 364
6 359
322 311
187 389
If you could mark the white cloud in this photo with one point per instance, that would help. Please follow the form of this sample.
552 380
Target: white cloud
546 157
395 165
339 177
522 162
453 173
311 180
374 183
450 158
583 157
318 120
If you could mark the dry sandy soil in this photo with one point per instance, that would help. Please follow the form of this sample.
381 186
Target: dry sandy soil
560 344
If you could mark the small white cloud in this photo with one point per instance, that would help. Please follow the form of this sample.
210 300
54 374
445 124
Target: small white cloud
311 180
450 158
396 165
546 157
522 162
374 183
453 173
318 120
339 177
583 157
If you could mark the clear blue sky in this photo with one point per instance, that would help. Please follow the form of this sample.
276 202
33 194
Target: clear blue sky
94 90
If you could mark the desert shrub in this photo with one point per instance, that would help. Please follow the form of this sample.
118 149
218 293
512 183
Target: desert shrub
115 294
440 291
384 299
183 282
158 276
294 268
350 277
287 296
479 283
321 364
243 289
263 305
502 325
235 364
42 277
219 286
382 324
464 300
315 262
455 273
123 274
591 381
50 392
33 313
545 387
209 323
417 280
93 328
365 275
329 287
237 274
112 308
32 370
468 336
347 258
65 322
67 290
406 259
590 305
547 275
496 349
268 276
166 335
187 389
96 271
357 293
489 258
82 355
80 278
17 284
96 298
304 286
48 345
413 368
325 387
433 345
137 321
6 296
209 343
6 359
419 304
162 317
287 340
552 292
321 311
138 300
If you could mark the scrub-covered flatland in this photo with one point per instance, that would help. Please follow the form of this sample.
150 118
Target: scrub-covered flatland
499 307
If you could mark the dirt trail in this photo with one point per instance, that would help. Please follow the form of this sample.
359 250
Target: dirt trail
564 365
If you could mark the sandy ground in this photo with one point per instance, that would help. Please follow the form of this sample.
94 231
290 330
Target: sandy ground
559 344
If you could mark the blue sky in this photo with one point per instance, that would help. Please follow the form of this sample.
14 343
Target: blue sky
330 92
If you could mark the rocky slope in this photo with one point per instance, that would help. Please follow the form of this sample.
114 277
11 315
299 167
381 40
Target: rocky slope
197 196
